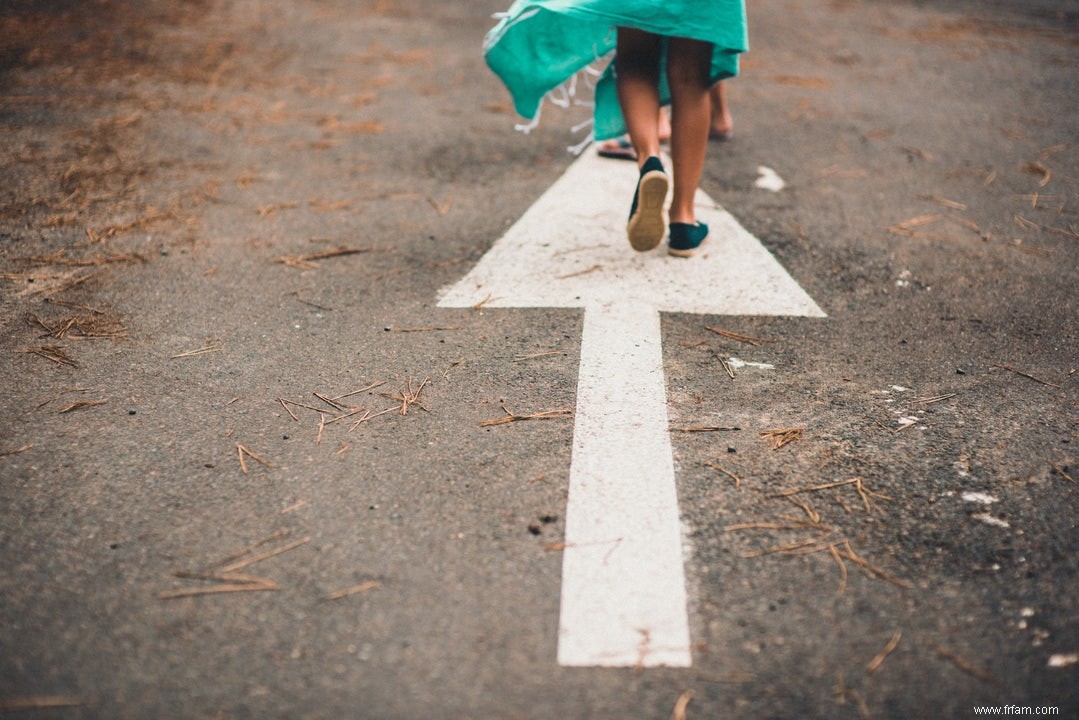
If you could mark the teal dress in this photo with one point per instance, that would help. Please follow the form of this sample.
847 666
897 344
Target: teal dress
540 44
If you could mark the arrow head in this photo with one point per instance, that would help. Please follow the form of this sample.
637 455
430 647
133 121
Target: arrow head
569 250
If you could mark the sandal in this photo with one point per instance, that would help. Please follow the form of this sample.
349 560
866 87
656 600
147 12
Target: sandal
619 149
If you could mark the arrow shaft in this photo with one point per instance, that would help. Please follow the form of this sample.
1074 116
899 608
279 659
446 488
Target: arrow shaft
623 583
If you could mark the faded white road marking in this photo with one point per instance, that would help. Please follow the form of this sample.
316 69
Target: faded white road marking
738 364
623 587
769 179
978 497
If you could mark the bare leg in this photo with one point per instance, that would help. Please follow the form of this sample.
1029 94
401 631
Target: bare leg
664 126
621 148
722 123
688 64
638 56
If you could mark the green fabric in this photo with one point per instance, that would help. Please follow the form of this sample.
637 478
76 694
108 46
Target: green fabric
539 44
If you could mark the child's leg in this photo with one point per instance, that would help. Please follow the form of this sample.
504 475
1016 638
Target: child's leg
688 65
637 59
722 123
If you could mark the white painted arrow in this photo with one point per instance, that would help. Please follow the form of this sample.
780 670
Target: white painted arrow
623 583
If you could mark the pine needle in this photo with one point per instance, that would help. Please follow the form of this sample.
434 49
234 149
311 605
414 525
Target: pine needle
965 665
779 437
873 665
510 417
362 587
679 711
241 451
739 337
725 471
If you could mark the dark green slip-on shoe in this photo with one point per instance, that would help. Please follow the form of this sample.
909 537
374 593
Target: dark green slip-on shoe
646 227
686 238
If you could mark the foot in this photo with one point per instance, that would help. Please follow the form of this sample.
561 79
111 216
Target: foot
622 149
686 238
646 226
721 129
619 149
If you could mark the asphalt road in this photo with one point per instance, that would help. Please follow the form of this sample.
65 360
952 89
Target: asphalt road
214 212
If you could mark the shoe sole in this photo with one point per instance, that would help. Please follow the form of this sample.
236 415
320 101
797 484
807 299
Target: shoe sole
686 253
647 227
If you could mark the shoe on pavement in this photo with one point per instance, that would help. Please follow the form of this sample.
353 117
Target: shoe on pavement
686 238
646 227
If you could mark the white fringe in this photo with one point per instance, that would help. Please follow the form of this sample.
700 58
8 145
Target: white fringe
532 124
566 96
580 147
